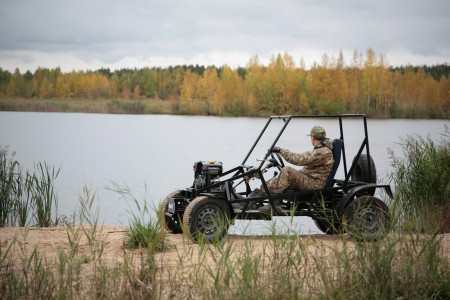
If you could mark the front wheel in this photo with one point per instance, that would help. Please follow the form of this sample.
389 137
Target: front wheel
170 223
207 219
366 218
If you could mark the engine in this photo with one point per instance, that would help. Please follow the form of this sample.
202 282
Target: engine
205 172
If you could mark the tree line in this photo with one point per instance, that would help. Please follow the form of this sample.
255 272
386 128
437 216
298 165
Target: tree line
367 84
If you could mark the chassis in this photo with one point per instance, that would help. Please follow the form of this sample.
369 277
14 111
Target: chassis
205 210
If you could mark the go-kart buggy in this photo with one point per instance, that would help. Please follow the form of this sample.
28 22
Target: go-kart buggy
205 210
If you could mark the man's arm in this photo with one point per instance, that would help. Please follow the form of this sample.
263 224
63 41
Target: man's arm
318 157
299 159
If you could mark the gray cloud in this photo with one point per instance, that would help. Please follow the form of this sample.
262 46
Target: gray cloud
95 33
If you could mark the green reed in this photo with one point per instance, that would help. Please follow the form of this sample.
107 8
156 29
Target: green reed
422 181
43 194
26 197
9 174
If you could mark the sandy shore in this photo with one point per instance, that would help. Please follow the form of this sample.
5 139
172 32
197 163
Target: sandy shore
49 241
176 266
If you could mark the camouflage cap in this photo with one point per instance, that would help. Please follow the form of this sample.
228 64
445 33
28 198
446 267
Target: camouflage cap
318 132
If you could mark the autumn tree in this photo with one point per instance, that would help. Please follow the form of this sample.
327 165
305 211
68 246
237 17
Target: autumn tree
207 85
386 95
234 103
115 85
409 90
288 83
149 83
125 85
137 91
443 103
339 90
5 77
321 84
429 93
304 87
188 92
27 84
16 84
62 89
369 77
253 85
354 80
383 92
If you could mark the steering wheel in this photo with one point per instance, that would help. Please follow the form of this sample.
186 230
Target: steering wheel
279 161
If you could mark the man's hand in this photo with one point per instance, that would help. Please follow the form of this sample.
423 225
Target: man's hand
276 149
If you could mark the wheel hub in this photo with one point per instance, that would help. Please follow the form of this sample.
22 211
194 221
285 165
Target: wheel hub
207 220
368 219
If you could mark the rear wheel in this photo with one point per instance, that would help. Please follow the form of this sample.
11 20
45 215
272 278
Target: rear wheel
366 218
207 219
173 223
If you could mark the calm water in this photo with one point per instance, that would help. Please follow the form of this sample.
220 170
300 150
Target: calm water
153 154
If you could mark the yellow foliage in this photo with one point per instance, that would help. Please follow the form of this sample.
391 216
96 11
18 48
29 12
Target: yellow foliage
366 85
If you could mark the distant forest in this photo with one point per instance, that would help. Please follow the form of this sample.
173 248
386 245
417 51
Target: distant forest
367 84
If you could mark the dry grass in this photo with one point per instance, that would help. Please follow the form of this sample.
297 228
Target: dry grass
295 267
99 106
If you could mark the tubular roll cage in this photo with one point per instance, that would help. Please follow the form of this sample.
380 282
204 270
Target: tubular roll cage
287 120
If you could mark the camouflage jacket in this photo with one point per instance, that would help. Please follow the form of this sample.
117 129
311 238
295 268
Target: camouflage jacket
317 163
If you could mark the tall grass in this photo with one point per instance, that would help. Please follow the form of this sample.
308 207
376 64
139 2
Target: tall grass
144 227
9 169
27 197
43 194
422 182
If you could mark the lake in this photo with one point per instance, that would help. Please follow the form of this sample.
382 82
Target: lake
153 154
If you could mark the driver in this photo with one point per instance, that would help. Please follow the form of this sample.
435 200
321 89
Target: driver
317 166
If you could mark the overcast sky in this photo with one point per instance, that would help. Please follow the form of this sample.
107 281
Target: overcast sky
90 34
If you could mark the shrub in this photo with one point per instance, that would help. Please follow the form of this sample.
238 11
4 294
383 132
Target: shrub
422 181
